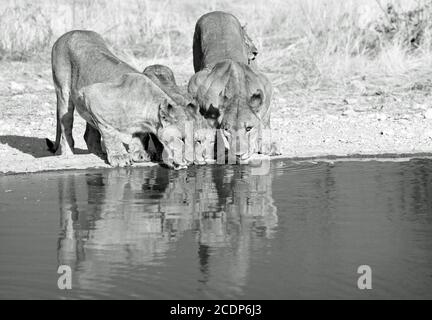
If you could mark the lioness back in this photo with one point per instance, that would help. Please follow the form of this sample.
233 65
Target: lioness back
218 36
86 59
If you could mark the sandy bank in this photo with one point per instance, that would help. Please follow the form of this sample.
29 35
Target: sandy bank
306 124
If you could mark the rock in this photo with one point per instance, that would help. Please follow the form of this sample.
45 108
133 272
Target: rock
428 114
387 132
349 112
381 117
428 134
16 87
350 101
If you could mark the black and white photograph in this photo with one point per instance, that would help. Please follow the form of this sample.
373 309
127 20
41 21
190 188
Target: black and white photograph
215 150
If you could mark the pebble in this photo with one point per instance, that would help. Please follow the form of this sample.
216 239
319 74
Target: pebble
387 132
428 134
16 87
350 101
381 117
428 114
348 112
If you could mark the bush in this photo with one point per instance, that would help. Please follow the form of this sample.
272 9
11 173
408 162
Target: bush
411 29
24 31
296 29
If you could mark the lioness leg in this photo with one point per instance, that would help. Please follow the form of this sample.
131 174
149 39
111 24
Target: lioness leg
61 69
65 110
117 154
92 138
270 148
136 150
267 146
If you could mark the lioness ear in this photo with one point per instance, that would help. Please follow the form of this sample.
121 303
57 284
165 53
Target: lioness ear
257 99
165 110
192 109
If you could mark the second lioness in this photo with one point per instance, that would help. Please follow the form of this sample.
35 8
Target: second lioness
202 138
228 86
113 97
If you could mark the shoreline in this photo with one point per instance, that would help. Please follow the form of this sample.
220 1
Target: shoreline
75 163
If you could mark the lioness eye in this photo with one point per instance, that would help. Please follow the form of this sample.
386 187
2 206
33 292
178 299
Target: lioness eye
248 129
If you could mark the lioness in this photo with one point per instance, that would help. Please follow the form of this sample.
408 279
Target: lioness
227 88
203 134
131 105
81 59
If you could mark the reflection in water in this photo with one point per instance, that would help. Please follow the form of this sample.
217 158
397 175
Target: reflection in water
215 232
134 217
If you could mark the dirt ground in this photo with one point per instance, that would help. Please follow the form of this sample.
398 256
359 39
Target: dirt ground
306 123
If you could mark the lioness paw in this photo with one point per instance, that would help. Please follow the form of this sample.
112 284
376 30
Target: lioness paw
119 160
140 156
137 152
274 150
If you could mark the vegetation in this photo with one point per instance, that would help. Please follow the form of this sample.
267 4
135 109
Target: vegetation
303 43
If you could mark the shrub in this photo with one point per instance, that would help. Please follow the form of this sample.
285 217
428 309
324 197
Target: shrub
24 30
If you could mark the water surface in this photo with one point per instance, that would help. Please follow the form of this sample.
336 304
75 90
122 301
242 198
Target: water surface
219 232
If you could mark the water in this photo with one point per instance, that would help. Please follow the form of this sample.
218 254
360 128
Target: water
219 232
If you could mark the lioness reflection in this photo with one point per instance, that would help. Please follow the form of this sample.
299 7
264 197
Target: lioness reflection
135 217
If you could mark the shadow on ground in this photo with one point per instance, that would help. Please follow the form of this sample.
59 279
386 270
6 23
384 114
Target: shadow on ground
35 147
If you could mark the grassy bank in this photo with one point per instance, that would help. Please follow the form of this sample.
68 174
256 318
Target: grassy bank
303 44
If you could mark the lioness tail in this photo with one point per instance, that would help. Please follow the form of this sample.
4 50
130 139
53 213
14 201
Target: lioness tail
51 146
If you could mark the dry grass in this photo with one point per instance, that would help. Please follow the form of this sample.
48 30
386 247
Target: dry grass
303 44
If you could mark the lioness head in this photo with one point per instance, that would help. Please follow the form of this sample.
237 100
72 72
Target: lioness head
171 133
238 99
187 137
201 144
198 148
241 125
